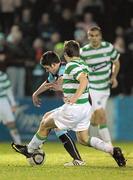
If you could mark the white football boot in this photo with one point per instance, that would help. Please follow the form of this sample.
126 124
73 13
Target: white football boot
75 162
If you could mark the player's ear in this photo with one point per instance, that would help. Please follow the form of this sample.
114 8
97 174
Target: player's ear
52 65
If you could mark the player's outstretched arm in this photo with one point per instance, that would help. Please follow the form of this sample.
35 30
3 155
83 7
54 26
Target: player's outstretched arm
42 88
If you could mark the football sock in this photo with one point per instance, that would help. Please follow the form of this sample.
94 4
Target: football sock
70 146
100 145
104 133
93 130
15 135
36 141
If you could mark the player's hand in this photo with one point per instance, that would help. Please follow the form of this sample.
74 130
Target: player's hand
36 100
70 100
14 109
48 85
56 86
2 57
60 80
113 82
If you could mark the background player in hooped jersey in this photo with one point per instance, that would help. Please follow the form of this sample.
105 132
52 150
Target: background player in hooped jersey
76 111
8 106
56 68
103 63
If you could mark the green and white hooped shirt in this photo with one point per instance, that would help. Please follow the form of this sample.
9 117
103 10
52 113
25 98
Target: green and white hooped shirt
99 63
73 70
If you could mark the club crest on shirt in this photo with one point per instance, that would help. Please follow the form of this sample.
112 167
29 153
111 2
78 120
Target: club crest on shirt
99 102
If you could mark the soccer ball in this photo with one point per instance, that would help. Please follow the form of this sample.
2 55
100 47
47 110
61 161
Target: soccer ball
38 158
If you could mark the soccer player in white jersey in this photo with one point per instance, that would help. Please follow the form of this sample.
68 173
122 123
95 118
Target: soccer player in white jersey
8 106
75 112
103 63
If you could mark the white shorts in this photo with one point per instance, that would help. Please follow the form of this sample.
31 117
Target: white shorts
72 117
99 99
6 114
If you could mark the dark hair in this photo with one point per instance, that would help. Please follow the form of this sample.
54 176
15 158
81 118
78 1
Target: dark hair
94 27
72 48
49 58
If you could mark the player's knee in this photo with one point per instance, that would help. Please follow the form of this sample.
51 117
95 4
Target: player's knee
83 140
46 115
42 124
93 122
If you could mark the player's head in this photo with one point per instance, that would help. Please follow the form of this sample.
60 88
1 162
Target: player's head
95 36
71 49
50 61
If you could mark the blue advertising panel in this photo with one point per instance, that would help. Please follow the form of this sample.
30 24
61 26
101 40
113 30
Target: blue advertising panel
123 118
28 117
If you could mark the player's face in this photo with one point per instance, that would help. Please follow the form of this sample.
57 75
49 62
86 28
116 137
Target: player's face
51 69
95 38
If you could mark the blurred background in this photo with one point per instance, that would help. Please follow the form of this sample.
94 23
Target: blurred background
28 28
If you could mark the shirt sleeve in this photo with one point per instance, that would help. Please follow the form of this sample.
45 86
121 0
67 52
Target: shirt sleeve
81 54
75 70
114 54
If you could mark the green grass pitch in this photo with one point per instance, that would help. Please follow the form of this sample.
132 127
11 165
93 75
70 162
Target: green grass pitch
99 165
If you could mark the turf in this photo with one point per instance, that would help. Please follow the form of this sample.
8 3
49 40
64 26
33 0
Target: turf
99 166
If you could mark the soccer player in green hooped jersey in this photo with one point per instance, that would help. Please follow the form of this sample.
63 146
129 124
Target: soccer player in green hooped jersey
103 63
75 113
8 106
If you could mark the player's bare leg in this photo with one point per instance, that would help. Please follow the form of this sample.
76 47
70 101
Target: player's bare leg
99 119
38 139
84 139
41 136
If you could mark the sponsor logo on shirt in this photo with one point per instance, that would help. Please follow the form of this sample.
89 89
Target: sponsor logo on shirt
99 66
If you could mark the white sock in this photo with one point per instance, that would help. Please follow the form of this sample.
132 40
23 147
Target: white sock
93 131
105 135
15 136
101 145
36 142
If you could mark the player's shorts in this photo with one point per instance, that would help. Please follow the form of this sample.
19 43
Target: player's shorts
6 114
99 99
59 132
72 117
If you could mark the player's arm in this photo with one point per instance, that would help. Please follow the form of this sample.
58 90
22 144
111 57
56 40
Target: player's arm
11 99
42 88
83 83
115 71
57 85
115 55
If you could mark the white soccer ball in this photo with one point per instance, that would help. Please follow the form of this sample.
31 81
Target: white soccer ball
38 158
